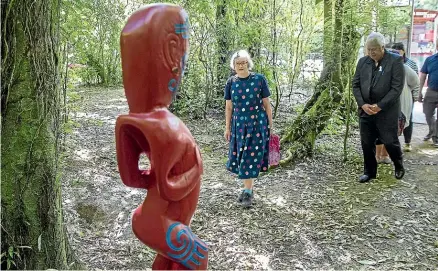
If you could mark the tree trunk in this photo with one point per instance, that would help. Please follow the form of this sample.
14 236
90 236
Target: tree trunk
328 46
33 233
325 101
328 30
277 93
223 70
351 40
297 54
256 16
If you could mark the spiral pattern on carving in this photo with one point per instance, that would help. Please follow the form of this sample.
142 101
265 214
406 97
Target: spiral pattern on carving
184 241
185 246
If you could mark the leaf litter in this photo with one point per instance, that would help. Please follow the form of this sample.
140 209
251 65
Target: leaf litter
312 215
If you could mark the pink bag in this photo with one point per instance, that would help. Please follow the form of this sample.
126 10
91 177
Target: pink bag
274 150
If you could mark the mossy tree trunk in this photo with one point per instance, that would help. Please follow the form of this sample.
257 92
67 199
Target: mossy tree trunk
33 233
328 29
348 105
326 98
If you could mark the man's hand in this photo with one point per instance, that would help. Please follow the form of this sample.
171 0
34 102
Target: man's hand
227 135
376 108
368 109
420 97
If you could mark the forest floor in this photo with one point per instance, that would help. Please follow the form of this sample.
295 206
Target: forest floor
312 215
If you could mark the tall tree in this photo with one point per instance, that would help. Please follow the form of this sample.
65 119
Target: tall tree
328 28
328 91
223 45
33 234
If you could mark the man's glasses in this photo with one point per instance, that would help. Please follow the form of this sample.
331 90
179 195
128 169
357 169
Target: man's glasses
373 50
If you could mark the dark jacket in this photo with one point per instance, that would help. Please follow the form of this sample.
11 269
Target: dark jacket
387 86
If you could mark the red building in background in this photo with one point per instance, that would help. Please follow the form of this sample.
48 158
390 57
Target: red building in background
424 35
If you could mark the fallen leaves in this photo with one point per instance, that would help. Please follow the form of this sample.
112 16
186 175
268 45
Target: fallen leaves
313 215
367 262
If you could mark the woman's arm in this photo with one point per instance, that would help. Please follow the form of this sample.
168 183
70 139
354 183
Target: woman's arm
413 81
267 106
228 109
265 98
228 113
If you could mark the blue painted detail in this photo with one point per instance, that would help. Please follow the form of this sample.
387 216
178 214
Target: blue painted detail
172 85
183 29
187 244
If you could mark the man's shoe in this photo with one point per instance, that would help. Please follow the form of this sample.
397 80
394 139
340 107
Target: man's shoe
427 137
247 199
365 178
407 147
435 144
399 173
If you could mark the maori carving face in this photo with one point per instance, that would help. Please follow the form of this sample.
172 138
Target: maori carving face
154 64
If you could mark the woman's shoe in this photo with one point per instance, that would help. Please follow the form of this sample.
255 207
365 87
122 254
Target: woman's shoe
386 160
240 198
407 147
247 199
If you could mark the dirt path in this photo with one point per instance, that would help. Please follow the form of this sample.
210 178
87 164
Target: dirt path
312 215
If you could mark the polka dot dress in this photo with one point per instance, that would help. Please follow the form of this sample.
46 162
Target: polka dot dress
249 143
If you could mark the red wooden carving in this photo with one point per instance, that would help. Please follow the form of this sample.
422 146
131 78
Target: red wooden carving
154 49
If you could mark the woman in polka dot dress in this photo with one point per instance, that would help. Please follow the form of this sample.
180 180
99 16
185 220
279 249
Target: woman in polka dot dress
248 123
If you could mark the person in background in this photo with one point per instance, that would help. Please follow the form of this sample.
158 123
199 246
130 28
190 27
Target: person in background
248 118
429 71
377 85
398 46
410 89
407 132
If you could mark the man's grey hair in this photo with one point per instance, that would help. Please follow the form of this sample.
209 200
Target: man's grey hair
241 53
376 38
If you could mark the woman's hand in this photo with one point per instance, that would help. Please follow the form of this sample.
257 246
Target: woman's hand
227 135
267 106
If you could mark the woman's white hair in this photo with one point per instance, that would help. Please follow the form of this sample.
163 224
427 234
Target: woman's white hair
376 38
241 53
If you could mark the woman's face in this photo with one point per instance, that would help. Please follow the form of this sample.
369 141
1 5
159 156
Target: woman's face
401 52
241 65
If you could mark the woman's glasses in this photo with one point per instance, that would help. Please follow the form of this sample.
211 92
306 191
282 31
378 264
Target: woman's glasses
241 63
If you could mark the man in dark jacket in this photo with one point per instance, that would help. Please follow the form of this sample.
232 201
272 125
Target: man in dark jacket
377 85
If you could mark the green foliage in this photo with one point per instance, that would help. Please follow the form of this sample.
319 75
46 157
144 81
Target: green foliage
334 125
391 20
279 34
276 34
9 257
68 126
90 32
426 4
